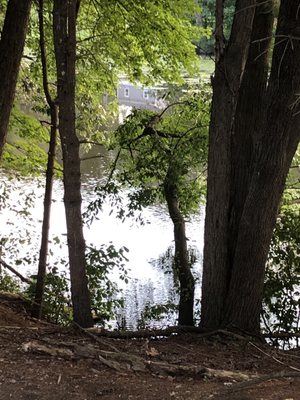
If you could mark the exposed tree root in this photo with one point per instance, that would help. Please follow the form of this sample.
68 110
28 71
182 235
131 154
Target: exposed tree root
158 333
145 333
95 338
173 330
121 361
257 380
274 358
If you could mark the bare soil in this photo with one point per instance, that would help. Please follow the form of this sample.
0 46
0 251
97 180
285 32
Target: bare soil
34 375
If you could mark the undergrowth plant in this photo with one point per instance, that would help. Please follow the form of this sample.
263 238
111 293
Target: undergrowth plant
105 293
8 283
56 301
281 312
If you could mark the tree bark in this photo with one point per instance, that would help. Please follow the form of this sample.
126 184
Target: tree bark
226 84
36 311
248 118
280 135
255 152
64 19
11 49
182 265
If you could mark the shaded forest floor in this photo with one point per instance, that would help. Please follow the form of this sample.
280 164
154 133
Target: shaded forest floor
216 367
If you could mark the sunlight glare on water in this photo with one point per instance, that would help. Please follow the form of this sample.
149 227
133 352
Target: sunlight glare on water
148 283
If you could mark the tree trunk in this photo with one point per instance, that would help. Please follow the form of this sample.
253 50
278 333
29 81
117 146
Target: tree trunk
248 117
40 282
182 265
226 84
36 311
262 145
11 49
64 23
280 135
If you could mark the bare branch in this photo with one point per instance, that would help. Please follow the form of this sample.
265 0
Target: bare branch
90 142
91 157
114 166
15 272
172 105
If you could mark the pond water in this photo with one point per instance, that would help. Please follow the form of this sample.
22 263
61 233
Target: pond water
149 284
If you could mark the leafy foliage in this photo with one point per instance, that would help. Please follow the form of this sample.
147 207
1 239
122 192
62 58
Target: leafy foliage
18 197
282 282
282 299
146 42
105 295
156 313
104 292
148 145
56 302
9 283
142 41
19 244
26 126
24 150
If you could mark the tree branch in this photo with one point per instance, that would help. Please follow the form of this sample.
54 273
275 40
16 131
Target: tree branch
83 141
91 157
15 272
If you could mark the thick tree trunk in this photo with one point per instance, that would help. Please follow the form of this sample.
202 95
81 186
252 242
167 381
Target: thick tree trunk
40 282
11 49
280 136
64 18
226 85
248 118
182 265
262 146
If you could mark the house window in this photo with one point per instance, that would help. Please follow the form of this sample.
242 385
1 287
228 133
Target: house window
146 94
126 92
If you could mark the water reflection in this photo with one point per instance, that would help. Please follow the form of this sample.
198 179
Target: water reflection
150 283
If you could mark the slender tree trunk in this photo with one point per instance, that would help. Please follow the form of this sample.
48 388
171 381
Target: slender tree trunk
11 49
64 18
182 265
40 283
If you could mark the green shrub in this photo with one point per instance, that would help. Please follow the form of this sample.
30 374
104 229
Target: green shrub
9 283
281 310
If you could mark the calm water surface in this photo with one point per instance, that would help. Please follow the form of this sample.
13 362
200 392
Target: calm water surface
149 284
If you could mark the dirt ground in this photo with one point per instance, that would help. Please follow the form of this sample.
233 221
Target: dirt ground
259 372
